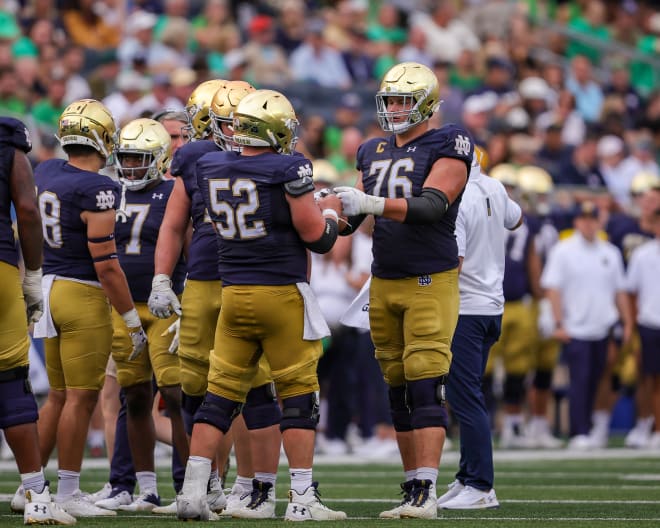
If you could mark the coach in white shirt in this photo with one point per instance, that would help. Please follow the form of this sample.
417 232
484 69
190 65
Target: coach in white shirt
643 284
485 213
584 280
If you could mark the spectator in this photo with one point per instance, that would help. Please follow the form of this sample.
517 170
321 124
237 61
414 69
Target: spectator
89 30
619 84
388 27
46 111
446 35
122 103
158 98
316 62
10 102
611 152
290 31
73 62
266 61
640 159
138 42
582 167
592 26
214 29
588 94
357 59
564 115
174 50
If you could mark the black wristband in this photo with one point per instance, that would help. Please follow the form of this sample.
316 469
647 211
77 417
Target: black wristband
352 224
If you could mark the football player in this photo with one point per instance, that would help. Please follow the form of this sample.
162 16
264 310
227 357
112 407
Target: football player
143 155
261 202
202 296
519 338
412 182
81 273
18 408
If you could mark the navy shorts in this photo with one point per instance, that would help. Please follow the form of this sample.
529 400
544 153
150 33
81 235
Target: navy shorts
650 338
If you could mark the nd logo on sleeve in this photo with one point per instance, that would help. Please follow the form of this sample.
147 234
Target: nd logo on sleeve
462 145
105 200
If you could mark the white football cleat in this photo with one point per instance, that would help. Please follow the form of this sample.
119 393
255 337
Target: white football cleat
170 509
471 498
104 493
394 513
17 504
262 502
144 502
236 499
215 496
308 507
192 508
453 489
79 506
423 502
39 509
116 501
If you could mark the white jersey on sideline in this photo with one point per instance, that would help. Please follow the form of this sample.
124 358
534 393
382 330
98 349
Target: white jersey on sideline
485 214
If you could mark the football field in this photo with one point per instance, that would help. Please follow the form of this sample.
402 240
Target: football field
602 488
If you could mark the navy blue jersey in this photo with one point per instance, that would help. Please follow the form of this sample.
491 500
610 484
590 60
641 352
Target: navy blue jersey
245 198
516 277
406 250
202 263
625 233
136 239
64 192
13 135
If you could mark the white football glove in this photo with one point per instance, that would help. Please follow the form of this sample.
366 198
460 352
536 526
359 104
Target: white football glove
355 202
173 329
136 333
34 297
163 302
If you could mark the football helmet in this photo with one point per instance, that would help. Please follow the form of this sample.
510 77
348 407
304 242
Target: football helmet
198 107
223 104
144 153
265 118
88 122
534 180
418 87
506 174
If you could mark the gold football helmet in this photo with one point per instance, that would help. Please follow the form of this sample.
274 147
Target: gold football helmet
144 153
265 118
643 181
418 86
536 180
506 174
198 107
325 172
88 122
223 104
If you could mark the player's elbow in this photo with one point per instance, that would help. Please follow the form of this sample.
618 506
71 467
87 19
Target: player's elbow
324 243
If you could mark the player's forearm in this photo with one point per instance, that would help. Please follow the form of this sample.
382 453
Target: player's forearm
115 285
624 306
555 302
31 238
168 249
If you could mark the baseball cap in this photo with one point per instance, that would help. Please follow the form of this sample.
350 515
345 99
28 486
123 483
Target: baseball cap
586 209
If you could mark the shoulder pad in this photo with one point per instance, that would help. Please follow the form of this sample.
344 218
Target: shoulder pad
299 186
13 132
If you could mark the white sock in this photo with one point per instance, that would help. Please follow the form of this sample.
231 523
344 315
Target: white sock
646 424
244 482
147 482
601 420
198 470
427 473
301 479
511 421
266 477
34 481
68 482
410 475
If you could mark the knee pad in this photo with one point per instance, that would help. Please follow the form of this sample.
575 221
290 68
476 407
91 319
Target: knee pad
399 409
193 375
17 403
189 406
426 399
542 379
218 412
514 389
261 408
300 412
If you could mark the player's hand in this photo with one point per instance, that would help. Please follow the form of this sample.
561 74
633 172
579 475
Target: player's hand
34 298
163 302
139 339
173 329
355 202
319 195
